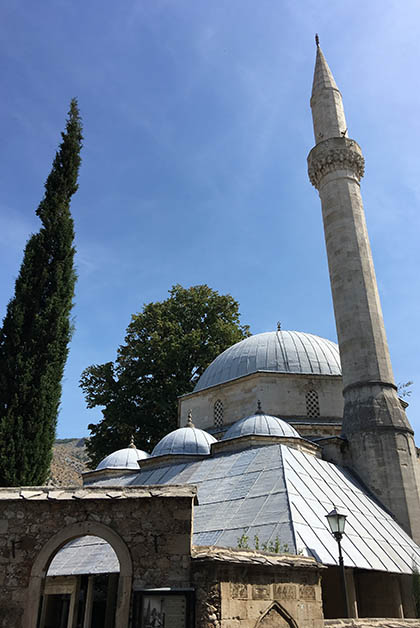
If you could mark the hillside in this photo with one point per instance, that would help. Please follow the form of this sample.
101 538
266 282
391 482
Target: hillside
69 461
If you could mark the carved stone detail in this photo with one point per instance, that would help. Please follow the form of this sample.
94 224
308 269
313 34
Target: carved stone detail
276 617
273 619
284 592
336 153
261 592
306 592
238 591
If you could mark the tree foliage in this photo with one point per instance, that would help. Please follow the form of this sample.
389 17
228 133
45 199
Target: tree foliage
167 347
36 330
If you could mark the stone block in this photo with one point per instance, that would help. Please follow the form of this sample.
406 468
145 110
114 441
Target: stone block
178 544
284 592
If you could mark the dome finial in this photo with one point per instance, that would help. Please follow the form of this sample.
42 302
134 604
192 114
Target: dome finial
317 40
259 409
278 326
132 444
189 419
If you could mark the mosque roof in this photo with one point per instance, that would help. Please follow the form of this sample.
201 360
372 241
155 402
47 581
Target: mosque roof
273 351
123 458
261 424
187 440
276 492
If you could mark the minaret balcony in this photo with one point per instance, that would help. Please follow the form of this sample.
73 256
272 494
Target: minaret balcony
335 153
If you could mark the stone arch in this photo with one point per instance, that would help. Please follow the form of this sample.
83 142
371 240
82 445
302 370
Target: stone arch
276 617
56 542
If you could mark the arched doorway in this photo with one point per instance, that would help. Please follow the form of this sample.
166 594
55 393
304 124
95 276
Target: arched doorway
276 617
40 579
81 586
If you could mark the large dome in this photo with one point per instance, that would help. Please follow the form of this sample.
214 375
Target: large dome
273 351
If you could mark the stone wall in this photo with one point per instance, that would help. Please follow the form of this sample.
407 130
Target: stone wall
244 589
282 395
149 529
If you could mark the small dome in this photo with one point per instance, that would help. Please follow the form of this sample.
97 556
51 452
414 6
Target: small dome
123 458
187 440
261 424
276 352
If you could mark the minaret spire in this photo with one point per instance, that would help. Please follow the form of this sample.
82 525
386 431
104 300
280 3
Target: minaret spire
380 438
326 102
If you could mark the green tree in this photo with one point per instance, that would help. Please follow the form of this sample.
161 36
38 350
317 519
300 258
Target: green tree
37 329
167 347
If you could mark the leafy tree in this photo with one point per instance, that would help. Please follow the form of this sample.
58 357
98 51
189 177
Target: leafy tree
167 347
36 329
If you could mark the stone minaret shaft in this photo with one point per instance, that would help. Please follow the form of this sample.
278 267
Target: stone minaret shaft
380 438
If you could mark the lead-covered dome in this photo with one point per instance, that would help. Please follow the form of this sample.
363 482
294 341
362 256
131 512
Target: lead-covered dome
273 351
189 440
260 424
123 458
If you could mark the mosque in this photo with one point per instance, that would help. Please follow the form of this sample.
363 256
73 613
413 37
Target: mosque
281 429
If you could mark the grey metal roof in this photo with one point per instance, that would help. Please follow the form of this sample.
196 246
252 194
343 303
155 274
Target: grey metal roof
185 440
273 351
123 459
276 491
86 555
261 424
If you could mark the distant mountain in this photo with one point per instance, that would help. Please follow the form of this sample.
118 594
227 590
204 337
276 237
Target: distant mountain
69 462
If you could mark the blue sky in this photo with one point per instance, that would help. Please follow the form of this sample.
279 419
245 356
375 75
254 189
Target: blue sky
197 126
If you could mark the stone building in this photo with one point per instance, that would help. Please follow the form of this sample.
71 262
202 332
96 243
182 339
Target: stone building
298 376
223 524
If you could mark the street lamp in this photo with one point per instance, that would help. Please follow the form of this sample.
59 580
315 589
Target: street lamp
337 522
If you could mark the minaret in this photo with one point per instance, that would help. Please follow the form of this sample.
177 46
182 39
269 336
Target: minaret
381 443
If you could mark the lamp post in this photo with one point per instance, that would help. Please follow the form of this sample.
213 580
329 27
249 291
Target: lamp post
337 522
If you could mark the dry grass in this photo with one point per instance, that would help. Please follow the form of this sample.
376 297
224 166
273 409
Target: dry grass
69 461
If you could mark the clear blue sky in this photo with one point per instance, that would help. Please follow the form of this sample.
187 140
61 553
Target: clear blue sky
197 126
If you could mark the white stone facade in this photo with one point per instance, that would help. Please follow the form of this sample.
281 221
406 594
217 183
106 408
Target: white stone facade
300 399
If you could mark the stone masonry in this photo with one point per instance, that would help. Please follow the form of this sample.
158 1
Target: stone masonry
381 443
246 589
282 395
149 529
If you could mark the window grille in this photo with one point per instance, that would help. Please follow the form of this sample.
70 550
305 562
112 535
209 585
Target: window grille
312 404
218 413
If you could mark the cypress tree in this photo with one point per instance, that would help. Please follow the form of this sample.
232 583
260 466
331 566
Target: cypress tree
37 329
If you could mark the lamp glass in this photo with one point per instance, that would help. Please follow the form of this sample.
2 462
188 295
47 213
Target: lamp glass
336 521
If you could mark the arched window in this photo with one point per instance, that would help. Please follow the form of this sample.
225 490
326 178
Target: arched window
218 413
312 404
